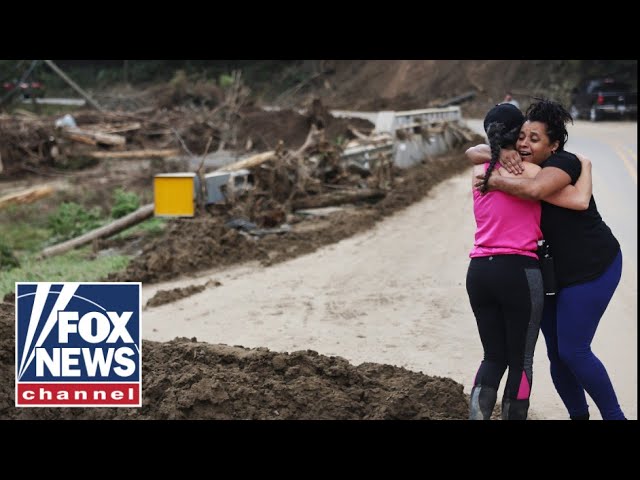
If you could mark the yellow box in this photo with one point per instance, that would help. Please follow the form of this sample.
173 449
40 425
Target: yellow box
174 194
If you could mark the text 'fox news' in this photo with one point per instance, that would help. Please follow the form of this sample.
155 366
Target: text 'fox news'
78 344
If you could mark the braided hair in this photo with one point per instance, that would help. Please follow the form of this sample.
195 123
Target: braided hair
554 116
499 137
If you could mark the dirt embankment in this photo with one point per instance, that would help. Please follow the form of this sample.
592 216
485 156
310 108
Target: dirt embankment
187 379
414 84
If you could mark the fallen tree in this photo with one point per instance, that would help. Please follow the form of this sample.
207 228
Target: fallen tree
105 231
147 153
26 196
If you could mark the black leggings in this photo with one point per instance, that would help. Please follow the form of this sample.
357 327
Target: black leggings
507 297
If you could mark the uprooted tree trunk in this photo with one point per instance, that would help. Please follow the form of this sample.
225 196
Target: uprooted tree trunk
105 231
250 162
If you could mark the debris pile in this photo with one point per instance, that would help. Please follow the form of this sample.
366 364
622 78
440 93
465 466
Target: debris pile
189 380
30 143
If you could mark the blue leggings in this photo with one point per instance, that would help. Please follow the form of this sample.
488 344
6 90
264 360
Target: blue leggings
569 323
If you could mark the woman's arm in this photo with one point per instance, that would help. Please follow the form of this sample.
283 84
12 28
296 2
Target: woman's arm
479 154
550 180
578 196
509 159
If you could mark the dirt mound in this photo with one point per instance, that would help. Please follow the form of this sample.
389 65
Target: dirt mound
167 296
187 379
264 129
203 242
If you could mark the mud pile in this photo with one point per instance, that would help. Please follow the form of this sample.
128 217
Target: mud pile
187 379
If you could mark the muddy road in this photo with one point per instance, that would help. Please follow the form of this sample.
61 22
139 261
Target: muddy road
395 295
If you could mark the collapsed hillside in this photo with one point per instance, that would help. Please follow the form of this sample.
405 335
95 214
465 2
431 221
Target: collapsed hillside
413 84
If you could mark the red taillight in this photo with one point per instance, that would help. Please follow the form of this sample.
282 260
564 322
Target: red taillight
600 99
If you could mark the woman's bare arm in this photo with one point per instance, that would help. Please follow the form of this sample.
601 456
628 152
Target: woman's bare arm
509 159
479 154
578 196
550 180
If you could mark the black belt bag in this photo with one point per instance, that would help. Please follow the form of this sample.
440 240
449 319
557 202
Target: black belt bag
547 268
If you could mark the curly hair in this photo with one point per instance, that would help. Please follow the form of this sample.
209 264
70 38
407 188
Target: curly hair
554 116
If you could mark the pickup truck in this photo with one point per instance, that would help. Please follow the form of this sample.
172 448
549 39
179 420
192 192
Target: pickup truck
598 98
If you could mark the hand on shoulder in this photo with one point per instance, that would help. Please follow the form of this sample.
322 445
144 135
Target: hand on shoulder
511 161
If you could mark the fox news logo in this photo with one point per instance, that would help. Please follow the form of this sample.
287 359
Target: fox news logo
78 345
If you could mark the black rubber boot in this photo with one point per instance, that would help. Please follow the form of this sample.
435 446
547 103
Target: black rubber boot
514 409
483 399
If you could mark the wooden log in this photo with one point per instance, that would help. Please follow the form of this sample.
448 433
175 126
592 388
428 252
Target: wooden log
105 231
151 153
26 196
75 133
81 139
250 162
337 198
128 127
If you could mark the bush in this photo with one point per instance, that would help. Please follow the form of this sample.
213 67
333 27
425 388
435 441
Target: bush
72 220
7 258
225 80
124 203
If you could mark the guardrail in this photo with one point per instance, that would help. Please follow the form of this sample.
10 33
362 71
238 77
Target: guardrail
389 121
404 152
362 154
414 118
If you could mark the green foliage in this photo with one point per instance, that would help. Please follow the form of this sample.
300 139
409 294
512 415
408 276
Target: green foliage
72 220
24 237
8 260
151 227
23 228
73 266
124 203
225 80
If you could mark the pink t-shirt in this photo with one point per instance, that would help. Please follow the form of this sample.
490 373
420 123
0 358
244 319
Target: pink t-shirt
505 224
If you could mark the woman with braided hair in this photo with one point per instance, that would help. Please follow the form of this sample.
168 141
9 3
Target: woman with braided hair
504 282
588 259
